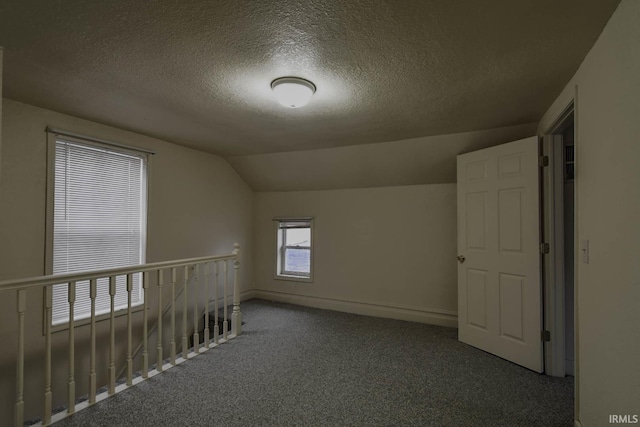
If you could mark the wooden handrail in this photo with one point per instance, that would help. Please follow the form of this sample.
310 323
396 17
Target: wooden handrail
72 280
33 282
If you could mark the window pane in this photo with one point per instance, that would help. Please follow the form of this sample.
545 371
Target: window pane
298 237
99 222
297 261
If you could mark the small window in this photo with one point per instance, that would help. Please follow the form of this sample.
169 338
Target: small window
294 239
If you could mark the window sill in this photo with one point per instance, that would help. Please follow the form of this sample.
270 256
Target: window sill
293 278
87 320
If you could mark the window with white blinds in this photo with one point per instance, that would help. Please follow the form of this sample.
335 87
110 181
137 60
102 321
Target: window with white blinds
100 197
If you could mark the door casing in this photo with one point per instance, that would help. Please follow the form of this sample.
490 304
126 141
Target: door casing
553 234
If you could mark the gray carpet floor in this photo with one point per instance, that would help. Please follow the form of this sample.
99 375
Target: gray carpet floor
299 366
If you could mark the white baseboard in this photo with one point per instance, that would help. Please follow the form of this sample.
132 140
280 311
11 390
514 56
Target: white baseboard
430 316
245 295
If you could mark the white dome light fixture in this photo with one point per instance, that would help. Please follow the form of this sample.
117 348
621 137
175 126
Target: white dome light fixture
293 92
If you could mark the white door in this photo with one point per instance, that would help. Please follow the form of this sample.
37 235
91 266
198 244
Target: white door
499 286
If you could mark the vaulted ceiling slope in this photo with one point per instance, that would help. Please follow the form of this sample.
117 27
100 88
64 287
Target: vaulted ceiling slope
198 72
425 160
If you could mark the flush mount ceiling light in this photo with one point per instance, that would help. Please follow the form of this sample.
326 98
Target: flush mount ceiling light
293 92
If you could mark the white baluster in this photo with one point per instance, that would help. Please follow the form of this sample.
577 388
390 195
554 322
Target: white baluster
236 317
196 322
225 323
21 308
112 336
206 311
71 402
185 344
159 345
129 331
92 360
173 316
216 328
145 331
46 417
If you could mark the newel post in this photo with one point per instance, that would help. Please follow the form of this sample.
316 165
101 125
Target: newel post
236 316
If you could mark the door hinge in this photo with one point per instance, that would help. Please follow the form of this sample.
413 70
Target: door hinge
543 161
544 248
545 336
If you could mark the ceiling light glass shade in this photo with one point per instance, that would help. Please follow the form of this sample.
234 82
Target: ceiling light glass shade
293 92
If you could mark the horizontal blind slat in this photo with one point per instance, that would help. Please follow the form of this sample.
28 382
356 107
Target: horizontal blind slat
99 209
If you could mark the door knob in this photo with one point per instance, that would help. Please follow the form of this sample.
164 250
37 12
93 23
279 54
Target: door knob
461 259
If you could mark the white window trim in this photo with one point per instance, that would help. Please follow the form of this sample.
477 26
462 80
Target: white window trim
52 136
277 275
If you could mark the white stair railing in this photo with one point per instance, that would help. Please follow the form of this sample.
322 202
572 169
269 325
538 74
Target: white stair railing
74 282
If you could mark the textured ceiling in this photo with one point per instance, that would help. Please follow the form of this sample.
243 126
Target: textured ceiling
198 72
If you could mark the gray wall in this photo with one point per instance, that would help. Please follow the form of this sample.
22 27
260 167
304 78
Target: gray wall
1 62
386 251
606 89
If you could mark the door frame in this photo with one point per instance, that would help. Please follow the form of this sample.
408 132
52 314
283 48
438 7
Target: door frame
552 194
